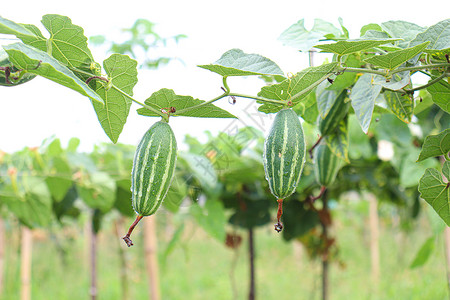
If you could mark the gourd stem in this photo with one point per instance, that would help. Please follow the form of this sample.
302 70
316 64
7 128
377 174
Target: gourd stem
126 238
279 225
314 146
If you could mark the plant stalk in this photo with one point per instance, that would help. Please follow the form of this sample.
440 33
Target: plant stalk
251 253
2 253
93 259
151 257
118 224
25 265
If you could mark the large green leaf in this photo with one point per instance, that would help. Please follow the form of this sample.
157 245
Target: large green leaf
363 97
352 46
400 104
436 192
402 29
98 191
10 27
201 168
394 59
439 37
396 82
325 98
59 180
166 98
436 145
440 92
307 109
67 42
235 62
40 63
298 37
177 192
295 88
122 76
32 205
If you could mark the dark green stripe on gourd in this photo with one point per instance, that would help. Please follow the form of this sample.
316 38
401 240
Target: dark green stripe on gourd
153 168
336 113
326 164
284 153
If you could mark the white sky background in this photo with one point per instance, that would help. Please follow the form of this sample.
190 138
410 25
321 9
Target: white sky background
39 109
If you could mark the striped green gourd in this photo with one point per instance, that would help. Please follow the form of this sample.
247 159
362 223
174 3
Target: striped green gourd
284 154
326 164
152 173
336 113
153 168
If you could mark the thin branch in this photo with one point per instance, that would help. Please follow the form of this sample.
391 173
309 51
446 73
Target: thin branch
431 82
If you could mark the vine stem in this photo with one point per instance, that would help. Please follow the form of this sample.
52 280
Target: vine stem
384 73
431 82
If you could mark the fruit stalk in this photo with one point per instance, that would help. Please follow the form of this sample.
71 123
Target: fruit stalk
126 238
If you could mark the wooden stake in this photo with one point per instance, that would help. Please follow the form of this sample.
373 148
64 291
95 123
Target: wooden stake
25 264
2 253
374 238
151 257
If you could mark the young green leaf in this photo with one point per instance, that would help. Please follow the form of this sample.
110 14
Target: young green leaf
235 62
400 104
436 145
164 99
352 46
439 37
402 29
307 109
363 97
122 74
394 59
436 192
440 92
40 63
424 253
298 37
295 88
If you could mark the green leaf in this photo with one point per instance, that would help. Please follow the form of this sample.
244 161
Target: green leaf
98 191
436 145
325 98
297 219
59 181
307 109
402 29
439 37
298 37
371 26
295 88
40 63
400 104
396 82
122 76
410 171
10 27
235 62
67 42
166 98
352 46
33 205
424 253
436 192
201 168
363 97
211 218
394 59
440 92
338 141
177 192
346 79
256 213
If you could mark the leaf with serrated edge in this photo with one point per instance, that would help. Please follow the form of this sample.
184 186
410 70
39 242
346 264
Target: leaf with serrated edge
394 59
67 42
436 192
401 29
438 35
10 27
435 145
352 46
301 83
400 104
166 98
122 72
440 93
363 97
28 58
237 63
